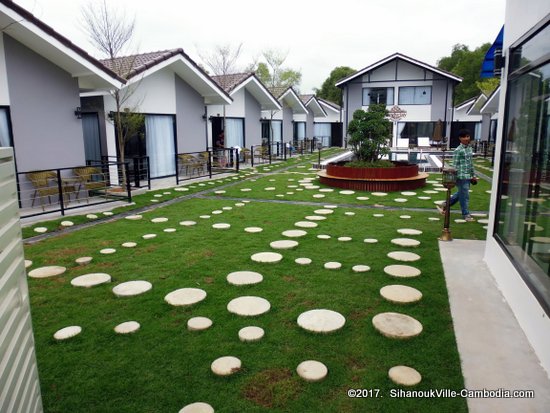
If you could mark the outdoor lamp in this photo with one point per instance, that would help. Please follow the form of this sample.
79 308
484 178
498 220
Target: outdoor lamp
448 179
78 113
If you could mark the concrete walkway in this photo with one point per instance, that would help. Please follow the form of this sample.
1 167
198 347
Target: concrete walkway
494 352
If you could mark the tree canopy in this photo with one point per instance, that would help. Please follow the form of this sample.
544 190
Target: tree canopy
330 92
272 72
369 133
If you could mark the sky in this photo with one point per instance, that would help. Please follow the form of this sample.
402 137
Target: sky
316 35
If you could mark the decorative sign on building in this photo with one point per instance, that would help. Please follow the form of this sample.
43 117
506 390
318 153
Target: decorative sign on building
396 113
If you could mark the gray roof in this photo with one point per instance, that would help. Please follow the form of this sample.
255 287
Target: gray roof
129 66
230 82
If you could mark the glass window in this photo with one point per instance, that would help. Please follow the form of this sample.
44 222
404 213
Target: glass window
299 131
415 95
381 95
522 222
5 136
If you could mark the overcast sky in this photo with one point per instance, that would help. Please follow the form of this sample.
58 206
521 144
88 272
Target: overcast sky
318 35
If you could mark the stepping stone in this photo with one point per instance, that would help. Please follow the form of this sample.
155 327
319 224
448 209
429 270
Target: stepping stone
251 333
323 236
400 294
479 215
323 211
405 216
379 193
541 240
401 200
321 321
409 231
404 376
191 223
180 189
253 230
107 251
303 261
267 257
326 190
91 216
225 366
240 204
49 271
405 242
370 240
217 212
433 219
248 306
378 215
198 323
402 271
315 218
131 288
227 208
408 193
40 230
91 280
127 327
169 230
362 198
81 260
158 195
312 370
221 225
28 263
404 256
220 192
244 278
294 233
149 236
305 224
129 244
185 296
158 220
283 244
67 332
270 188
483 221
347 192
67 223
332 265
244 190
344 239
134 217
424 198
360 268
460 221
328 207
396 325
318 196
349 213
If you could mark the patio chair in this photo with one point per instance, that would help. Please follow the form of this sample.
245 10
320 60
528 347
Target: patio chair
245 155
42 187
204 158
91 178
191 163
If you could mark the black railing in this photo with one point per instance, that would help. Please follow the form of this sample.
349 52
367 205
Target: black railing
190 165
58 190
139 169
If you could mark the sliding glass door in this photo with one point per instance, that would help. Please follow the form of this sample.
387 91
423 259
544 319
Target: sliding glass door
160 144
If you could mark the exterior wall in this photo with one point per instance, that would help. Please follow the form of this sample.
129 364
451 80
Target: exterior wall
309 125
4 91
237 109
288 131
95 104
19 385
46 133
190 126
252 125
154 94
520 18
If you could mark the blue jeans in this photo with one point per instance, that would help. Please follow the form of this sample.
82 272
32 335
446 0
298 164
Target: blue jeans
462 195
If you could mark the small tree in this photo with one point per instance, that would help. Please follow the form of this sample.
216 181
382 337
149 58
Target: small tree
369 133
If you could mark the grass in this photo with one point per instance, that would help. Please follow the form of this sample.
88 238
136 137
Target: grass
163 367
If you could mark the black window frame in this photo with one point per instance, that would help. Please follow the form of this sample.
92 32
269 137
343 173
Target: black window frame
399 102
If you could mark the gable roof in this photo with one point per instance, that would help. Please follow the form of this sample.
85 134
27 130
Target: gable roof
327 104
399 56
138 66
477 105
31 32
232 83
466 104
491 106
311 102
289 96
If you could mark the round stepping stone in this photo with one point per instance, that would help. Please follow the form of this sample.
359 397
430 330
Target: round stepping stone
185 296
323 211
169 230
198 323
283 244
433 219
424 198
294 233
158 195
318 196
379 193
244 190
332 265
270 188
405 216
251 333
326 190
483 221
409 231
158 220
344 239
134 217
221 225
324 236
91 216
397 325
328 207
306 224
315 218
244 278
131 288
349 213
220 192
479 215
405 242
347 192
227 208
303 261
129 244
189 223
82 260
149 236
267 257
49 271
362 198
312 370
400 294
408 193
40 230
225 366
91 280
240 204
67 332
179 189
401 200
541 240
402 271
460 221
321 321
360 268
248 306
378 215
404 376
127 327
204 216
67 223
217 212
28 263
253 230
404 256
370 240
107 251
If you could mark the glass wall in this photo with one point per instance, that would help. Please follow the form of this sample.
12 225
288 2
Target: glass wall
415 95
522 222
377 95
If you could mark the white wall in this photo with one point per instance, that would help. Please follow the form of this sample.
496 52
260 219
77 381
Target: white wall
4 92
154 94
19 385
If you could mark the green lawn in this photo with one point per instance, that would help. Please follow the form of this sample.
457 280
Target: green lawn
163 366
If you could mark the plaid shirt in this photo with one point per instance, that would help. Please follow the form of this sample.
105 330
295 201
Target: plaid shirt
462 162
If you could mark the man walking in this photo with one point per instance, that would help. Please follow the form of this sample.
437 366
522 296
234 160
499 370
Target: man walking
463 163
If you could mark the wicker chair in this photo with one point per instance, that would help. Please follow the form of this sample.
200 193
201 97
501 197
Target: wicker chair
91 178
190 163
42 187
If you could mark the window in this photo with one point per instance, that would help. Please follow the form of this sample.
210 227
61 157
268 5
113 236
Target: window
5 135
414 130
382 95
415 95
299 131
522 221
234 133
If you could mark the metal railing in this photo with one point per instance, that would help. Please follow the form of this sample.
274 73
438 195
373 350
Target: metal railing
60 189
191 165
138 166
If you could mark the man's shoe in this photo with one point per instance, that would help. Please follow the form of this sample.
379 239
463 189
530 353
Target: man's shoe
441 209
469 218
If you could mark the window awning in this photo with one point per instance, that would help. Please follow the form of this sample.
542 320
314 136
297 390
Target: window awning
488 65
